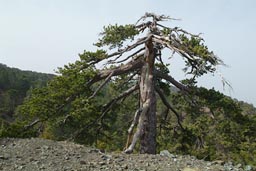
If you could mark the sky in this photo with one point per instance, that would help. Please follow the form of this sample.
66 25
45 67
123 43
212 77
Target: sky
44 35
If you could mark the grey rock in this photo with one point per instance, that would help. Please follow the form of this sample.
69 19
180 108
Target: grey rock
125 166
208 164
190 169
39 154
166 153
239 165
20 167
102 163
248 168
82 162
3 158
106 157
220 162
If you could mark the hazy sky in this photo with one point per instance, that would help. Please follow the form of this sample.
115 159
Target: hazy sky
41 35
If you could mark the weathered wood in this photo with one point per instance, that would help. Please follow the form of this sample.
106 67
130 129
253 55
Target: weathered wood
169 78
146 129
122 69
131 128
168 105
148 99
139 131
102 85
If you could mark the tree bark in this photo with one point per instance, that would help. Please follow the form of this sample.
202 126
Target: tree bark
147 121
146 128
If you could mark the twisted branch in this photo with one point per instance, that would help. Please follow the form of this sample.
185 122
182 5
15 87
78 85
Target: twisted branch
102 85
122 69
106 108
130 130
168 105
172 80
120 52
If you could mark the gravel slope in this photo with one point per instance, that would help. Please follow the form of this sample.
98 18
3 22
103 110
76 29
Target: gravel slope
39 154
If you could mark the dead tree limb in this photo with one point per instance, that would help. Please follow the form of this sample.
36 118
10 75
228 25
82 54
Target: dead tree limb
124 94
138 132
155 17
102 85
171 80
130 130
130 78
165 113
122 69
120 52
106 108
175 47
26 127
167 104
128 57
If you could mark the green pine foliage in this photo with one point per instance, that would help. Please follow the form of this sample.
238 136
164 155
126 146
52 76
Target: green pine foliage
206 60
215 129
116 35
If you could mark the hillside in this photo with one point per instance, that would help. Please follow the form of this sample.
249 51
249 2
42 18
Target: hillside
15 85
38 154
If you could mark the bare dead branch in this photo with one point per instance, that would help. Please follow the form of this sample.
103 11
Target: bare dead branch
171 80
143 26
120 52
102 85
124 94
128 57
138 132
135 121
177 29
130 130
126 82
26 127
106 108
165 113
66 118
155 17
109 105
122 69
176 46
172 45
167 104
160 58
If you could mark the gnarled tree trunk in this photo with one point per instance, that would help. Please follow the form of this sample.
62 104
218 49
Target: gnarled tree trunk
146 128
147 120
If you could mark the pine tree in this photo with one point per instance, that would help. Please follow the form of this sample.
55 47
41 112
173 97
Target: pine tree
133 53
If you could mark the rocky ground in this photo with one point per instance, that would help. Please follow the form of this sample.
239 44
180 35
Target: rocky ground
39 154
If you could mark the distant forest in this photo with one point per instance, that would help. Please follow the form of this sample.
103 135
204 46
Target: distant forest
15 85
